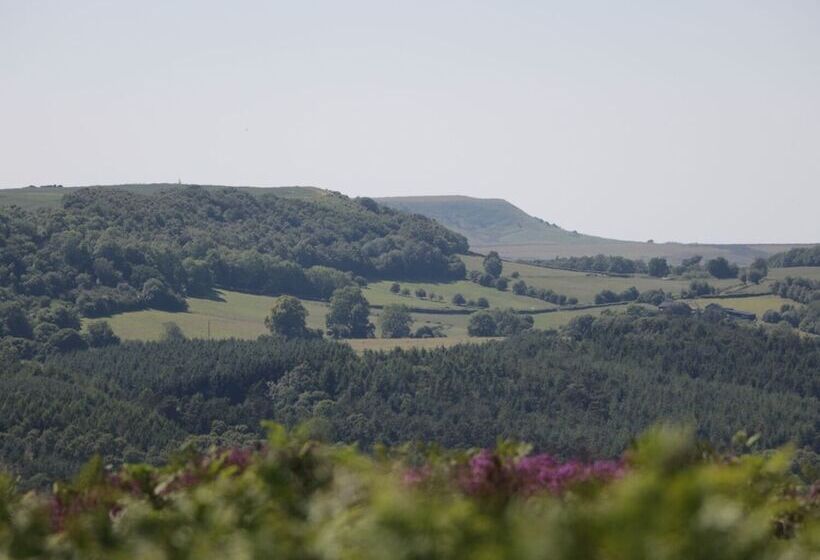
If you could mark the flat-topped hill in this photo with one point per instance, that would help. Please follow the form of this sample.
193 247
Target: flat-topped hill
495 224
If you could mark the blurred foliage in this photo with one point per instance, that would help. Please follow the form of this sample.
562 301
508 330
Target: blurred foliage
293 497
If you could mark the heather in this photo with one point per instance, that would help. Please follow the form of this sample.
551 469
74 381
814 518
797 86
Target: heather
292 496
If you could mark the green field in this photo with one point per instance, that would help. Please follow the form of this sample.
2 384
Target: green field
238 315
585 285
378 293
765 286
757 305
558 319
241 315
811 272
234 315
30 198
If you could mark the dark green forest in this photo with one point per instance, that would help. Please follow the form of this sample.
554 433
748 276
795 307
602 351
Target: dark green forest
799 256
107 251
583 392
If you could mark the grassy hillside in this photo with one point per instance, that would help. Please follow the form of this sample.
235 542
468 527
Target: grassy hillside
585 285
757 305
239 315
495 224
485 222
378 293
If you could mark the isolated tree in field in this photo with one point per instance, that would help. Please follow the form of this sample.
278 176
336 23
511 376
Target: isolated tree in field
100 334
519 288
606 296
482 302
349 315
721 268
658 267
458 299
493 265
501 284
395 288
421 293
395 321
287 317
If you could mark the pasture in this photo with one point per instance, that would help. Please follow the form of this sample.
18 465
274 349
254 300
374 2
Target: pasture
240 315
585 285
810 272
378 293
758 305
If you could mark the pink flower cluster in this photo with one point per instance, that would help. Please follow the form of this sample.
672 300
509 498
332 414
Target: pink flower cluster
488 474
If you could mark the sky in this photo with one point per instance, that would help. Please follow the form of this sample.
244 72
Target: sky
693 121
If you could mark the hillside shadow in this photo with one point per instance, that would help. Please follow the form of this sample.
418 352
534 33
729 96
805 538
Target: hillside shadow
211 295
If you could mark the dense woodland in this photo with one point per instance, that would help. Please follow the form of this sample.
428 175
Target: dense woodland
805 317
799 256
108 251
583 392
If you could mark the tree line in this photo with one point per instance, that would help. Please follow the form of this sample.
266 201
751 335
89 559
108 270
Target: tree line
586 390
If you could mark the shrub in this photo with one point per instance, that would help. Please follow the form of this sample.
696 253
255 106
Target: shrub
498 322
493 265
658 267
698 288
294 497
519 288
721 268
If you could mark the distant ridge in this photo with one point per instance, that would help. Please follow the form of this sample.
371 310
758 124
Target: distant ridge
485 221
493 224
490 224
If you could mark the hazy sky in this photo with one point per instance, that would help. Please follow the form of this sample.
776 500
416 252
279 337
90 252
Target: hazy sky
690 121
